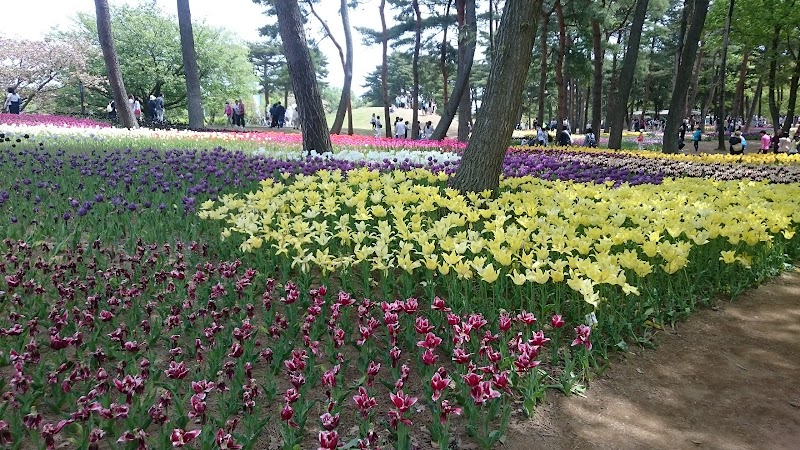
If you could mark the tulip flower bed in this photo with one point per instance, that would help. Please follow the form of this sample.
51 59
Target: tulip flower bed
622 256
346 301
33 120
161 347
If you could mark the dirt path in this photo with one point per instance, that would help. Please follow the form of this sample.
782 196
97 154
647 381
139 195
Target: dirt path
728 378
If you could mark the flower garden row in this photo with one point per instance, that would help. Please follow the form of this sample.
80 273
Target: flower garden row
349 301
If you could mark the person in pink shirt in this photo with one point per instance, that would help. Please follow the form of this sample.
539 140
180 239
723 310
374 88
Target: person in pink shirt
765 142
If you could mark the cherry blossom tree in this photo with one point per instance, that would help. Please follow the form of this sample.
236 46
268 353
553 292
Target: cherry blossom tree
39 68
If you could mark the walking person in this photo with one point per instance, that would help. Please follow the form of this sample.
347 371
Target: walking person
240 112
13 102
160 108
137 109
697 135
640 140
151 106
766 140
228 114
378 127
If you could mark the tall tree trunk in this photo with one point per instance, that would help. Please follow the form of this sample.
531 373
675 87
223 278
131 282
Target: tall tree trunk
443 55
124 111
415 70
350 117
617 114
739 96
482 161
562 47
304 77
193 94
543 70
648 83
686 14
346 59
597 87
723 69
612 87
491 29
711 93
385 70
756 98
466 47
692 98
677 104
793 83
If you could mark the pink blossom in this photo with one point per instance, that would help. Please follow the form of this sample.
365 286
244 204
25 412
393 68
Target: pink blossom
401 401
583 334
557 321
328 440
526 318
329 422
422 326
439 305
176 371
448 409
179 437
430 342
364 402
225 441
505 321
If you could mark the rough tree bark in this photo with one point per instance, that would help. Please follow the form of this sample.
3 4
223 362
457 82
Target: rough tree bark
723 69
561 110
773 69
466 47
792 100
738 97
415 70
617 114
443 55
194 95
304 77
385 70
124 111
597 88
646 96
752 109
692 98
482 161
677 104
543 68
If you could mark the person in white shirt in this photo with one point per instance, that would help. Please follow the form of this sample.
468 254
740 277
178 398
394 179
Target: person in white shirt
378 127
400 130
427 132
13 102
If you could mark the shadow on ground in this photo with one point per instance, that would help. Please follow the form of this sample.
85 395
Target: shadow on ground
728 378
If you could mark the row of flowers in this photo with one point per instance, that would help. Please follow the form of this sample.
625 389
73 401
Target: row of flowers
603 243
162 347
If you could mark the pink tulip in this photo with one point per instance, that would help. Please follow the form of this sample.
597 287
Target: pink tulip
557 321
179 437
364 402
328 440
583 334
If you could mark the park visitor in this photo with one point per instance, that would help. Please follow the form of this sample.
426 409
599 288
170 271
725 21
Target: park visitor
378 127
228 114
13 101
640 140
137 108
765 142
736 147
697 135
160 108
590 140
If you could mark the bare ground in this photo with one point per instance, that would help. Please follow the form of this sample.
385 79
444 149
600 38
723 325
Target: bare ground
727 378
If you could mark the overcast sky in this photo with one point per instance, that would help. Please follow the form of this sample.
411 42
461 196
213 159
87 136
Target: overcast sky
32 19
